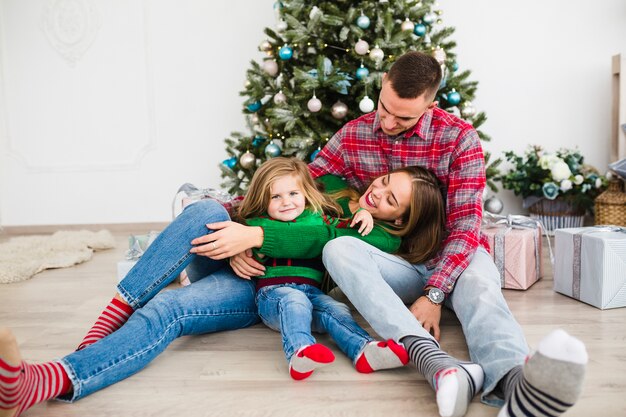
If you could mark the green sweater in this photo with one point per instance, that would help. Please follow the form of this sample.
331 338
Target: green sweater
293 249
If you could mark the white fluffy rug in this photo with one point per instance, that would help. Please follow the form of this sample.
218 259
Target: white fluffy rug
24 256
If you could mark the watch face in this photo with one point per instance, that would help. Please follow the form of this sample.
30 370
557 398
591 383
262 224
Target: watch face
436 295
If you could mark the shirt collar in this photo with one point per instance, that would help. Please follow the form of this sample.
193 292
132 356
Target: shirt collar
420 129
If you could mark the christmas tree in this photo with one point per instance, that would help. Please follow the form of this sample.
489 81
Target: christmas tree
324 67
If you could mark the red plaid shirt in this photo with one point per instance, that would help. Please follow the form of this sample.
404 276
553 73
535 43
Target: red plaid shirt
441 142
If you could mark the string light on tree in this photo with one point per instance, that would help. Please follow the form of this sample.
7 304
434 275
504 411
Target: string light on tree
366 105
361 47
314 104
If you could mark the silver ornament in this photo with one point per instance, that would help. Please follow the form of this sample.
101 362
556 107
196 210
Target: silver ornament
407 25
366 104
281 26
247 160
468 110
270 67
265 46
314 105
339 110
254 118
377 54
493 205
440 55
361 47
280 98
430 18
272 150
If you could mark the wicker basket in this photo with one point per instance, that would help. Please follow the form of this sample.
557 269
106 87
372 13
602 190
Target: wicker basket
611 205
557 214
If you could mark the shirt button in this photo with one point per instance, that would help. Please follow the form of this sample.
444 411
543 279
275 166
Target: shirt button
396 142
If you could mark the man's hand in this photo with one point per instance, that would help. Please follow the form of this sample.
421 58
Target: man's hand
229 239
428 314
245 266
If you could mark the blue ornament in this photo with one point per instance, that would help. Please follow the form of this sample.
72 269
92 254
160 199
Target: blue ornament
257 141
362 73
455 66
363 22
314 154
230 162
419 29
285 53
272 150
254 106
454 98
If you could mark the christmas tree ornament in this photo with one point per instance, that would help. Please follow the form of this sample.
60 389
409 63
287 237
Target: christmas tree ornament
493 205
377 54
257 141
361 47
265 46
453 97
407 26
230 162
440 55
362 73
467 110
272 150
420 29
363 21
280 98
254 118
270 66
285 53
314 104
430 18
366 104
247 84
247 160
254 106
339 110
281 26
314 154
455 66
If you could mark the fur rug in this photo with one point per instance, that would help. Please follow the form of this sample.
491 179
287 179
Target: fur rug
24 256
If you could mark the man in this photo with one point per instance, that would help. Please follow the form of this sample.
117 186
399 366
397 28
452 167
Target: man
409 129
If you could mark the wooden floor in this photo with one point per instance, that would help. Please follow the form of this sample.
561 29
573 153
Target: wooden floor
244 373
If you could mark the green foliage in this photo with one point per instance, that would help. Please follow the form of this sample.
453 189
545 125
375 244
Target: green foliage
562 174
322 35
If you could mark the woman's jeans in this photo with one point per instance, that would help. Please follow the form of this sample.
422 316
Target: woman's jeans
217 301
379 285
296 309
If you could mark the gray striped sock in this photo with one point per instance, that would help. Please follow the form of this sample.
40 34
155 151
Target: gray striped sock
455 382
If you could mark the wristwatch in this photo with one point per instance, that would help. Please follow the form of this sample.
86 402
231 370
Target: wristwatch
435 295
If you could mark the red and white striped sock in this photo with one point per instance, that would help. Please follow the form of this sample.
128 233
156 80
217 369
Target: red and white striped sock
309 358
112 318
25 385
381 355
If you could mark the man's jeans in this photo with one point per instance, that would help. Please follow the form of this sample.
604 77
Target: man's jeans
217 301
379 285
296 309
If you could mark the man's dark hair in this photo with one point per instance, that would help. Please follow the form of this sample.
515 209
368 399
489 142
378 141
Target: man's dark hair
414 74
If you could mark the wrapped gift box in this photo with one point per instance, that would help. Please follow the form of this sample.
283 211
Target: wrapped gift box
590 265
123 268
515 245
137 245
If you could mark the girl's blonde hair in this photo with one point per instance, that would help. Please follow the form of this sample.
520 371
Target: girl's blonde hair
259 192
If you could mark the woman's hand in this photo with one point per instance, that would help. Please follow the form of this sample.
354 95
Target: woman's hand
365 218
228 239
245 266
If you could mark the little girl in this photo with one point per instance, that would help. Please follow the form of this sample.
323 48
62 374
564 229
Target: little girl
289 298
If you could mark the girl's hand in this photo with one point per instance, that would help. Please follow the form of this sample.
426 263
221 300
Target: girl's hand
228 239
245 266
365 218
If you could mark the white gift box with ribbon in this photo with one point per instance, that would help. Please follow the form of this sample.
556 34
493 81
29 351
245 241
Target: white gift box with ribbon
590 265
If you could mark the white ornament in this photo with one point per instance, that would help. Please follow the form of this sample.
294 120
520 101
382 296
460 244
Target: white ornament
270 67
361 47
366 104
407 25
281 26
440 55
468 110
280 98
314 105
493 205
377 54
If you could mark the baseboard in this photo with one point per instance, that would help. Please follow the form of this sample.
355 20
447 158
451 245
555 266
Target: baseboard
112 227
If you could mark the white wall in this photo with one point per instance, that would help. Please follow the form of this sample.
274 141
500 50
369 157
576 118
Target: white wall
108 134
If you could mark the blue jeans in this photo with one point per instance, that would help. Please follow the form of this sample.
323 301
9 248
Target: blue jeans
217 301
379 285
296 309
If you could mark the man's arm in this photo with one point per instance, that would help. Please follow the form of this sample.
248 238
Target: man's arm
330 159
